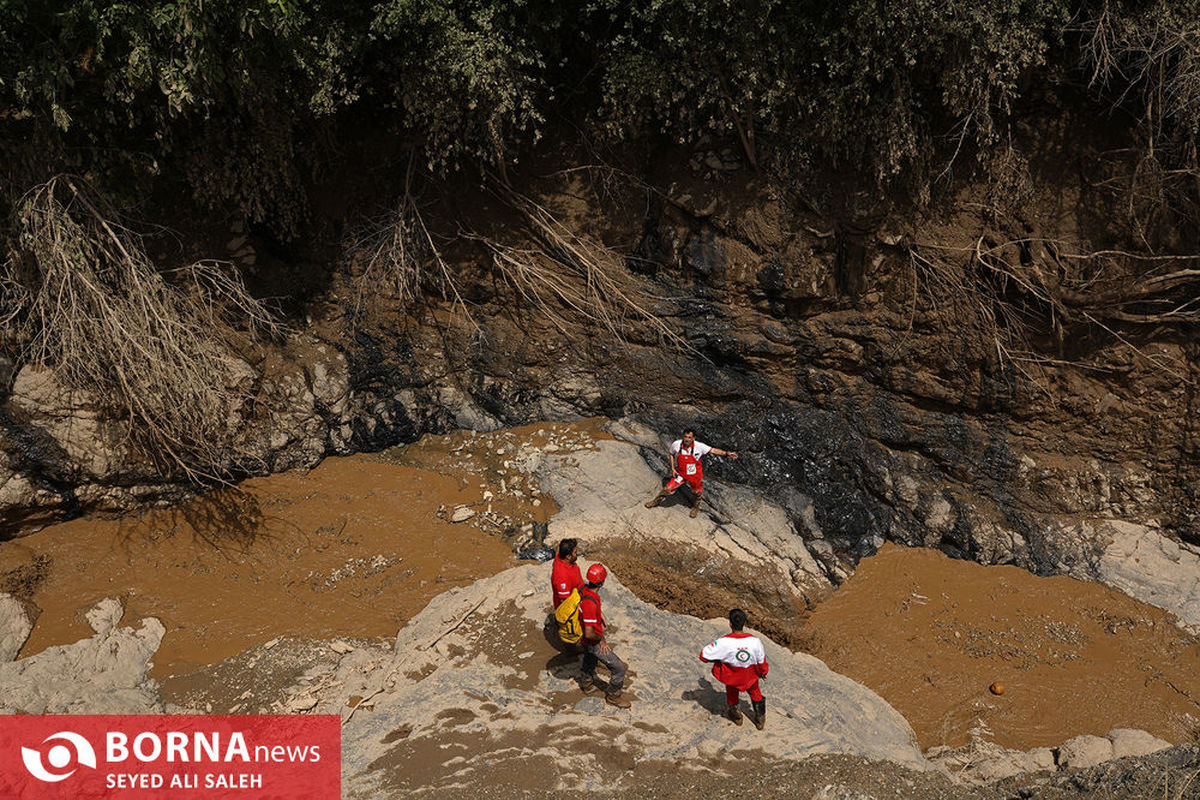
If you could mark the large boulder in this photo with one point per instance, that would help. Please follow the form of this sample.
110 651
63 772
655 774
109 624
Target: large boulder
1133 742
1147 565
477 694
1084 751
601 495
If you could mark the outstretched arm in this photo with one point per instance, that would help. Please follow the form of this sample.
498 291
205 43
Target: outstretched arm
719 452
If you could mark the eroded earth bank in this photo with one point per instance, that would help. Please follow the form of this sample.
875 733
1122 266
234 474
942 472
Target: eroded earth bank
386 589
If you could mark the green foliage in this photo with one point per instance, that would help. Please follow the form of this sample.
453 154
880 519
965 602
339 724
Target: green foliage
462 74
225 94
861 81
243 101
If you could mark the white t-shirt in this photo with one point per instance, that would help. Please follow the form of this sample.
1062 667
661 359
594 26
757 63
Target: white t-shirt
699 449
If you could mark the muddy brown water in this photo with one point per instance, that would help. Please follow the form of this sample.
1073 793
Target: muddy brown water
352 548
357 546
930 634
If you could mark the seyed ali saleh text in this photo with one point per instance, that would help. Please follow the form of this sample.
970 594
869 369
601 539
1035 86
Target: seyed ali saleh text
150 747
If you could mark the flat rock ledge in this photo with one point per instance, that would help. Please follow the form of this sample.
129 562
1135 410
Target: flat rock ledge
476 694
602 493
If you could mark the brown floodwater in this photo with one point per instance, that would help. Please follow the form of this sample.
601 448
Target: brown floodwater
357 546
930 634
352 548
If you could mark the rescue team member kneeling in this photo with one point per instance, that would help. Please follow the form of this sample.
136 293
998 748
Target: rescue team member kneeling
685 458
739 661
596 647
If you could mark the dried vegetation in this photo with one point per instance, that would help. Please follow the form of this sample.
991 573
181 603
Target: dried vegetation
157 349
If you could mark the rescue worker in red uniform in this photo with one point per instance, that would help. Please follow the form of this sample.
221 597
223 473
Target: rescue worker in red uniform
686 468
596 646
739 661
565 575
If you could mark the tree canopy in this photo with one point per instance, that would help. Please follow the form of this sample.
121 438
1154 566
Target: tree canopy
238 102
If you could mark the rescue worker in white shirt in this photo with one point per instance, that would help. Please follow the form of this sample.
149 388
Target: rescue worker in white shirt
739 661
685 458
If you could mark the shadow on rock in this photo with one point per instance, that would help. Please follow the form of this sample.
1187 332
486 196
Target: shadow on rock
707 696
565 664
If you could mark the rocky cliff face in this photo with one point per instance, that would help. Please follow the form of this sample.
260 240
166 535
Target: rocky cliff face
809 343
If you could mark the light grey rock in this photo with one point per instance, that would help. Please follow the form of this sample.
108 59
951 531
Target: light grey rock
1084 751
1041 758
1149 566
329 379
105 674
71 423
105 615
601 495
461 514
16 623
466 413
1134 742
980 761
476 663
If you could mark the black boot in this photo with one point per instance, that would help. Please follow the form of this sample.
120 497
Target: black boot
760 713
695 508
735 715
658 498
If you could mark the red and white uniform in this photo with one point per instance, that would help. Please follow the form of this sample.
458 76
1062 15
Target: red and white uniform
687 465
563 578
738 661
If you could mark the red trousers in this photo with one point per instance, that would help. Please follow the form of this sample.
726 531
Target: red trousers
733 694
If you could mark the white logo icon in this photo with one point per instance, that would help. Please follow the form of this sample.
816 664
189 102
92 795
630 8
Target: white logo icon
59 756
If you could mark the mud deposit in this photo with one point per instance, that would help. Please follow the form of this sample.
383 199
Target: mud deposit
353 548
930 634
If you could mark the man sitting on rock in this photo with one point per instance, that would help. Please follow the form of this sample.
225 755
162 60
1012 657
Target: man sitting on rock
596 647
685 458
739 661
565 575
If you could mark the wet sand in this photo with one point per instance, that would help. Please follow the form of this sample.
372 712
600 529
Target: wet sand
930 634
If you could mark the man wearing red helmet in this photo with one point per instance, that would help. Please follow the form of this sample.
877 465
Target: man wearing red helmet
685 458
596 647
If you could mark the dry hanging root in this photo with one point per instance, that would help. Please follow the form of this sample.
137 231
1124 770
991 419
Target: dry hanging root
80 295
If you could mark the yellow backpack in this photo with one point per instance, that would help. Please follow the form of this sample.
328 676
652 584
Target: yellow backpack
570 628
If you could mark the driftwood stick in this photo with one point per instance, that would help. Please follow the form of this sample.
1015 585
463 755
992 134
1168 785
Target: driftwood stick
453 627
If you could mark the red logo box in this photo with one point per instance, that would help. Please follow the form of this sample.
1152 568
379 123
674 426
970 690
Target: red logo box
190 756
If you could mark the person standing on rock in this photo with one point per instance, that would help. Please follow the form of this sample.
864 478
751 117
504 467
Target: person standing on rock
685 458
565 575
596 647
739 662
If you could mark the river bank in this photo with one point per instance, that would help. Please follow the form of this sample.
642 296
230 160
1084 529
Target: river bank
354 548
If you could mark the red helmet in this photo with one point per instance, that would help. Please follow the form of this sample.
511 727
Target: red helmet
596 573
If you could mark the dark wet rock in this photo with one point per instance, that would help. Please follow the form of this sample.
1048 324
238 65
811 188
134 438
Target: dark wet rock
541 554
